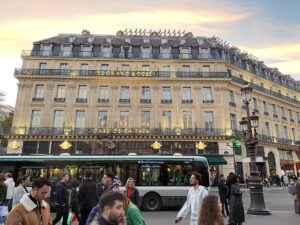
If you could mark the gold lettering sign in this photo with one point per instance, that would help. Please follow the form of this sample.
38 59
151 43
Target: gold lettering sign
126 74
121 131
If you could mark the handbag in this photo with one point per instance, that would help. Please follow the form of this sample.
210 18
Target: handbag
70 218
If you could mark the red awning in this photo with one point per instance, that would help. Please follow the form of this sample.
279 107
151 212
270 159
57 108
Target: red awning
298 152
297 166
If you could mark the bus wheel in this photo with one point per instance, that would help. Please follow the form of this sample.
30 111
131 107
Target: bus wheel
152 202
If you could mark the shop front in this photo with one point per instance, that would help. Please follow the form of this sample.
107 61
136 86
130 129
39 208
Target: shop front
287 163
298 163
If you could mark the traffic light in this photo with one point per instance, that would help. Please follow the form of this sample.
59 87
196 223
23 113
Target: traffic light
238 143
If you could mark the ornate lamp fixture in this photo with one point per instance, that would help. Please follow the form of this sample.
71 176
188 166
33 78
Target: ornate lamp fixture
14 145
178 131
65 145
156 145
200 146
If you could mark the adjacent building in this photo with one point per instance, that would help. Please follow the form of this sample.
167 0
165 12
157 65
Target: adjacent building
118 94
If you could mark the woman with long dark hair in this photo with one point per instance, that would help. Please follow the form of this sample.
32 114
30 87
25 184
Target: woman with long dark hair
237 215
210 212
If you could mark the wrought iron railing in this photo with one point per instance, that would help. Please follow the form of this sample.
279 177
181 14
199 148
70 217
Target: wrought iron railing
111 73
266 91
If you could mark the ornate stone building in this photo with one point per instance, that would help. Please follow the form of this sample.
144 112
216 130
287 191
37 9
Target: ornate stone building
118 94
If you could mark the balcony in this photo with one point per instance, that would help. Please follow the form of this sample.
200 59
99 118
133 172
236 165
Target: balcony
37 99
275 115
81 99
144 100
103 100
232 104
124 100
187 101
59 99
284 118
166 101
116 73
208 101
266 113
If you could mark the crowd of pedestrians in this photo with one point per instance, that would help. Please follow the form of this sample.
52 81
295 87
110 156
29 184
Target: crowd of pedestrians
104 203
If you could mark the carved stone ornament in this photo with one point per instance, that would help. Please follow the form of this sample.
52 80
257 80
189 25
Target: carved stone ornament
93 86
72 85
197 88
220 88
114 87
176 88
21 85
50 86
135 87
156 87
28 85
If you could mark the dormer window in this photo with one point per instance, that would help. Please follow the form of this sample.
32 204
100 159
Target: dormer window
66 51
90 39
183 41
71 39
108 40
146 40
164 41
46 50
127 40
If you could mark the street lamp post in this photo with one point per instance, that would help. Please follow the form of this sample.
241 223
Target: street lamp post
250 124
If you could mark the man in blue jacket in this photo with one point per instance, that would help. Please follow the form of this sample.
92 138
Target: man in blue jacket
62 200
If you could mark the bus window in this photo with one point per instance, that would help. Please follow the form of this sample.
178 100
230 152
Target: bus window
149 175
179 175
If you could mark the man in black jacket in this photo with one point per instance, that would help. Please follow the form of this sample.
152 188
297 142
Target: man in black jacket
87 196
62 200
223 192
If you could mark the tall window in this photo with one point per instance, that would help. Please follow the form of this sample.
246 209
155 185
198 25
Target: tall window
293 134
186 70
268 132
84 69
265 106
58 118
204 52
286 133
46 50
80 119
125 68
145 68
184 53
231 96
124 119
103 93
274 109
61 91
64 66
105 67
283 112
298 117
82 89
233 122
146 52
66 50
166 71
86 51
277 130
255 105
209 120
206 69
166 93
187 120
291 115
145 119
102 119
166 120
186 94
207 96
35 118
39 91
124 92
145 92
43 66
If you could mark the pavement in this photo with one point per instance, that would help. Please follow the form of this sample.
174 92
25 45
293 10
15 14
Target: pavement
277 200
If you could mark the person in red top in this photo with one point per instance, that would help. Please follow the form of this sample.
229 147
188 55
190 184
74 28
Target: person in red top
131 191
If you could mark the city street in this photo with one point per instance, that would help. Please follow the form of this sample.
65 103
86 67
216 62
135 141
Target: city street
277 200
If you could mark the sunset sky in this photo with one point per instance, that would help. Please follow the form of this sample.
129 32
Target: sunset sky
269 29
